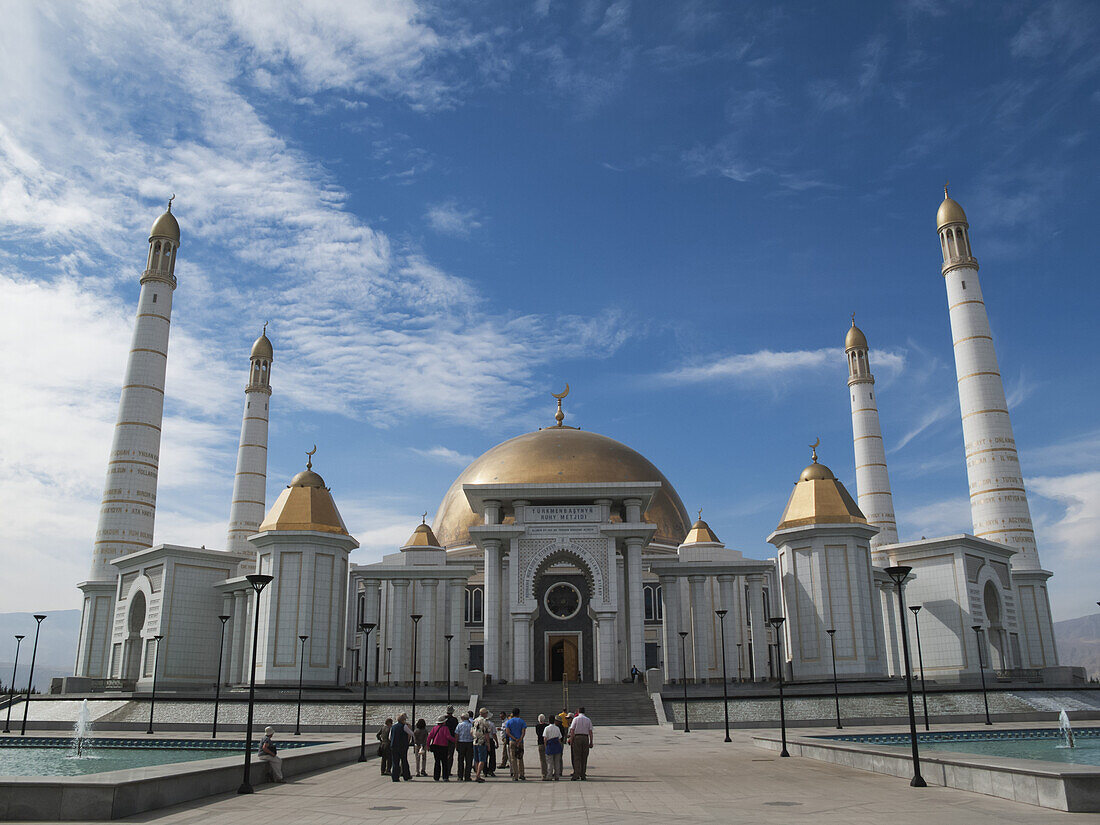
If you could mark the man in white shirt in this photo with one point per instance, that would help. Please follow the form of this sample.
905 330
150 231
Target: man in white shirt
580 743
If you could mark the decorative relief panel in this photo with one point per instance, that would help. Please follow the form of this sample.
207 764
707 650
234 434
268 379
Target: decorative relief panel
589 554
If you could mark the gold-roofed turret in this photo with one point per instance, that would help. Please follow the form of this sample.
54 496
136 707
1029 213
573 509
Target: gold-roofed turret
700 533
166 226
262 347
855 339
422 536
949 211
819 498
305 504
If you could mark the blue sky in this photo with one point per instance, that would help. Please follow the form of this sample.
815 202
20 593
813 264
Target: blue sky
447 211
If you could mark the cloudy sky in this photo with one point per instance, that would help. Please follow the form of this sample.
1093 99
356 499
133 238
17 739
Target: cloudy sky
449 210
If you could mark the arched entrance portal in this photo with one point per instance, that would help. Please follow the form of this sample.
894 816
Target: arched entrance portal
565 660
995 632
131 670
563 637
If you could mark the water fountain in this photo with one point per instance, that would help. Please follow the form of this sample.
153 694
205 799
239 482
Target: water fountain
1066 729
81 740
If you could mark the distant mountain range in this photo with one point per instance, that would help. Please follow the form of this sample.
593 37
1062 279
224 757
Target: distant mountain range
1078 644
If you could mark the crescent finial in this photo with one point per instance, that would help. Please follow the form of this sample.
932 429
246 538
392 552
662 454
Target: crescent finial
309 459
813 449
559 416
563 393
170 201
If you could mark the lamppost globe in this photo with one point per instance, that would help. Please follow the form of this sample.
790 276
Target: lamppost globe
365 628
257 581
898 574
777 623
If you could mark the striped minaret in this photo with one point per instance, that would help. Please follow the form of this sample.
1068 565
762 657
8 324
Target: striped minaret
250 483
998 501
872 479
129 501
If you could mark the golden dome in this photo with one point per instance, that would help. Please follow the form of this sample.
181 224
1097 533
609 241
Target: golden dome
422 537
949 212
166 227
306 504
262 348
701 533
855 339
819 498
560 455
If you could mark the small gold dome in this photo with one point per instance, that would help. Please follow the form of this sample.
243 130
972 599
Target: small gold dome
949 212
422 537
701 533
855 339
819 498
262 349
166 226
305 504
560 455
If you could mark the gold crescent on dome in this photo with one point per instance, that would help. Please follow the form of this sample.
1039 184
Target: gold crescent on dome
309 459
562 394
813 449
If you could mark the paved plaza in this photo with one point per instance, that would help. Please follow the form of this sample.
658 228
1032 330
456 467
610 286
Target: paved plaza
635 774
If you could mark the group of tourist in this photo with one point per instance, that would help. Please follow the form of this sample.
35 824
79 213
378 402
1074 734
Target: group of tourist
476 741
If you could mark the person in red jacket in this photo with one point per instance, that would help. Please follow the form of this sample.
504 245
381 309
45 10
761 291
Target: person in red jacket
440 741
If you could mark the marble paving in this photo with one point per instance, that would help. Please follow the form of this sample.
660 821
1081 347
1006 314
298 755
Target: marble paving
635 774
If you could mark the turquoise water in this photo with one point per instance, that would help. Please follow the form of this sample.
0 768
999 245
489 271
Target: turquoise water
1046 744
54 756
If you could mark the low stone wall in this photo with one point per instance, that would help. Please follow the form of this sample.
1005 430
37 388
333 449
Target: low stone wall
117 794
1062 787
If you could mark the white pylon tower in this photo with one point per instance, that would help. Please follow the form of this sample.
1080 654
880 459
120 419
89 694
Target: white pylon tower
129 503
872 479
250 482
998 500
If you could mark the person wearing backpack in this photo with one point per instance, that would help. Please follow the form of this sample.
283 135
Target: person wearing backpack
440 740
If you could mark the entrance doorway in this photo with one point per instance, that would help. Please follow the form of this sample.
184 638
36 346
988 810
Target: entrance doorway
564 659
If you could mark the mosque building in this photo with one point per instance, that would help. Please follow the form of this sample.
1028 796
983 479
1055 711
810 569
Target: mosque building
561 553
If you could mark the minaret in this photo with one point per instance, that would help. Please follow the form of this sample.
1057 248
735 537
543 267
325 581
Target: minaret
998 501
872 479
250 482
129 501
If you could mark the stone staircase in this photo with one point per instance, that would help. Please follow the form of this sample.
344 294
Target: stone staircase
621 704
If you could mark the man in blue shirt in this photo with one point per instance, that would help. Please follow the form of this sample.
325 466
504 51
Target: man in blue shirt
515 728
464 733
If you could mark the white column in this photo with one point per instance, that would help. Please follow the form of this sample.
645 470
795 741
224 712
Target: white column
371 614
759 627
606 648
457 627
727 595
492 608
636 609
430 637
670 596
521 648
400 633
700 627
242 643
889 602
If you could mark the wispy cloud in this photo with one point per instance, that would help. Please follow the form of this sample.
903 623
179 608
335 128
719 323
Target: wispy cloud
445 455
448 218
1058 27
772 364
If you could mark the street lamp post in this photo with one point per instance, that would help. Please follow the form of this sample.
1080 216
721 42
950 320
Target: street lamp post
218 684
301 674
11 687
416 617
258 581
153 696
684 670
898 574
448 637
38 617
739 680
915 610
366 628
836 689
981 667
725 694
777 623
